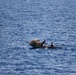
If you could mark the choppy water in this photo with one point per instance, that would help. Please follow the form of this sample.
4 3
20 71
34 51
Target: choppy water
50 20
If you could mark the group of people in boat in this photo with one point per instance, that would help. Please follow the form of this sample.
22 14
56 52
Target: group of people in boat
38 44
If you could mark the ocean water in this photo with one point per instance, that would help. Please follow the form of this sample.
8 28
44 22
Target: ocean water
50 20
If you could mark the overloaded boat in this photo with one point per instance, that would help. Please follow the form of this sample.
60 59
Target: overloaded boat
38 44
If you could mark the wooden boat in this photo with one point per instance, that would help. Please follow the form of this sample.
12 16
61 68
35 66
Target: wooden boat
38 44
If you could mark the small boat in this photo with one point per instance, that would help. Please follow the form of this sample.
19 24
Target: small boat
37 44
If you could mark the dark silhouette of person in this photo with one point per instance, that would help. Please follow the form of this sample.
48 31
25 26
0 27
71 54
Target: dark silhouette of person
43 43
52 44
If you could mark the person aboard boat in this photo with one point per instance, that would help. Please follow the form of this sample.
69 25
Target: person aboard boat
52 44
43 43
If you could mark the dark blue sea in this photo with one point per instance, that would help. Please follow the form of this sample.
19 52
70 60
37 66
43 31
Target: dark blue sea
50 20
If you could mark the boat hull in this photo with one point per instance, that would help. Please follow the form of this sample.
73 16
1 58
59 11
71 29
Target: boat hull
47 47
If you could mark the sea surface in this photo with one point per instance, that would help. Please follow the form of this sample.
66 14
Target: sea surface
50 20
